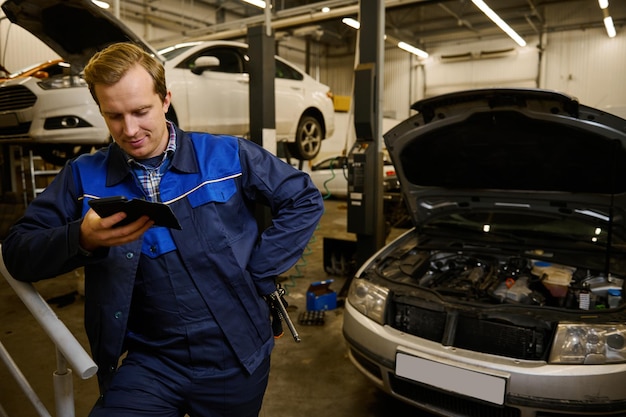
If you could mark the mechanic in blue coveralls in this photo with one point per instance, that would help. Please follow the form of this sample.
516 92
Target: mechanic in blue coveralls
186 305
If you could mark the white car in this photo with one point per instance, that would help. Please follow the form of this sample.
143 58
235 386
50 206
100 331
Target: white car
209 83
505 298
330 176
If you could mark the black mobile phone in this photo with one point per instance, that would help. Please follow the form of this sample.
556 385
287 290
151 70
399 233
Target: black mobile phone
161 213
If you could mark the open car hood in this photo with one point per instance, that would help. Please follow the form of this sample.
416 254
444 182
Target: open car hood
74 29
514 149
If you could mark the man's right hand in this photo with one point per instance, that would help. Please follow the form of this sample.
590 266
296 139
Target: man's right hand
97 232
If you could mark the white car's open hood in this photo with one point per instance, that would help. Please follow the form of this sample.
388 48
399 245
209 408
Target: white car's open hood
74 29
518 149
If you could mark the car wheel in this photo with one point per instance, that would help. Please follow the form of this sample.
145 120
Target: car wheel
308 139
59 154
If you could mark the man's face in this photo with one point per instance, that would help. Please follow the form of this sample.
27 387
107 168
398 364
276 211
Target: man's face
135 114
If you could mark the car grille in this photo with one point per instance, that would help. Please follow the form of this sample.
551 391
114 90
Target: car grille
447 403
13 98
473 333
16 97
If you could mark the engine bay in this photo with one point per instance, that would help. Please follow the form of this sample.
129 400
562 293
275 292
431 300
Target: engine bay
505 279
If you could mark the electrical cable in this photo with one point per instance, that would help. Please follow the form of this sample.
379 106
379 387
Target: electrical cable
332 177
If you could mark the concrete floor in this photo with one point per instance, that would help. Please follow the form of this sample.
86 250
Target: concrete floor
313 378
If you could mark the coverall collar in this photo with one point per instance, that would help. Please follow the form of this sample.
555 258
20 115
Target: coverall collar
184 159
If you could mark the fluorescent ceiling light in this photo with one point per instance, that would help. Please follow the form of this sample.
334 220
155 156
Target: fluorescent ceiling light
257 3
498 21
355 24
608 20
325 9
102 4
412 49
610 28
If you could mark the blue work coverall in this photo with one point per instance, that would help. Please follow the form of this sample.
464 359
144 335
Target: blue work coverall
212 186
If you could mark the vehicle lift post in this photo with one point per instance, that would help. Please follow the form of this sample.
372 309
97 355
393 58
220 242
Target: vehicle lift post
365 159
262 98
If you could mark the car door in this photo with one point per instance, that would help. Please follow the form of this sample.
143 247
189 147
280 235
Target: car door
290 94
214 99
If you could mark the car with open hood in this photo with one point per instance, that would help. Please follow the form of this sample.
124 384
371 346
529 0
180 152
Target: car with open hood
505 298
209 83
41 70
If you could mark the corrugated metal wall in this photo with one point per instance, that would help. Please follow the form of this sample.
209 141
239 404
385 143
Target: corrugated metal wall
399 77
481 65
339 73
585 64
589 66
399 70
19 49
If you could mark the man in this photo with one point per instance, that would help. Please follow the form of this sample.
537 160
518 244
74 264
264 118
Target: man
186 306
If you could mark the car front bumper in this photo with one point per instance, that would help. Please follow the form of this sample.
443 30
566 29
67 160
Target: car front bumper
30 114
461 383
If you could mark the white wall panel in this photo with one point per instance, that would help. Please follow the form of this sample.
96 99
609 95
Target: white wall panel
486 64
397 83
19 49
589 66
399 73
149 32
339 74
194 15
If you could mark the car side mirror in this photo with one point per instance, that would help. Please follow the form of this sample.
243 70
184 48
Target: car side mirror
204 63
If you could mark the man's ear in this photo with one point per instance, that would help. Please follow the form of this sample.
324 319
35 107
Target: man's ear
166 101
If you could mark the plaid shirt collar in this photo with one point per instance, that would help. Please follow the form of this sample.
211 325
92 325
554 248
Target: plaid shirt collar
150 176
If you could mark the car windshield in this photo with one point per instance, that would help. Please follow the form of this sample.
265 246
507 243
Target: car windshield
173 51
491 225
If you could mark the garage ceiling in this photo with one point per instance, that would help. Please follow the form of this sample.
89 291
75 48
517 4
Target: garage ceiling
423 23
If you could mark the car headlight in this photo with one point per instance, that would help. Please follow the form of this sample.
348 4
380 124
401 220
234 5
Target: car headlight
369 299
589 344
68 81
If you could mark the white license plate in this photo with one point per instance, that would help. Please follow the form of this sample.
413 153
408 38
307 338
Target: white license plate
451 378
8 120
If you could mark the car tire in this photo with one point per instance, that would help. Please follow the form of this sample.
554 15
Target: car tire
308 139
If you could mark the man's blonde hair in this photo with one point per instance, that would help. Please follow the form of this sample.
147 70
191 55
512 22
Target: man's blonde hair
109 65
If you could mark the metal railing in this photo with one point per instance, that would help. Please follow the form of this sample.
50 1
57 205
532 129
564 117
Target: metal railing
68 351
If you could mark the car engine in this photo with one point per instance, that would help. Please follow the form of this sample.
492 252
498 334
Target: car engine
501 279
